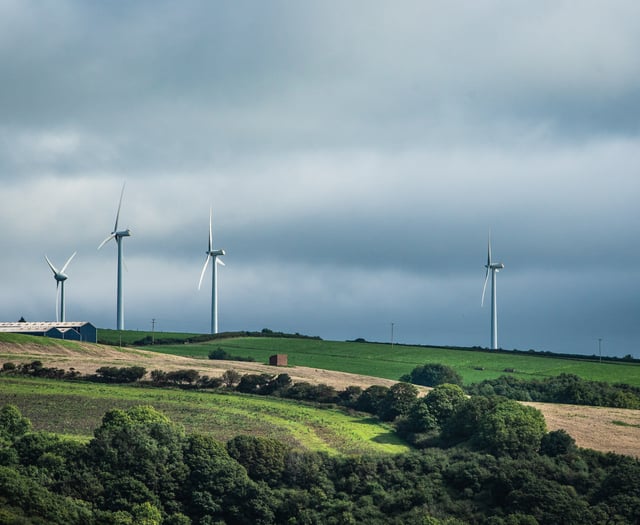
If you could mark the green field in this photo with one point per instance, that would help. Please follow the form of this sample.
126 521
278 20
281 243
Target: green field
383 360
76 408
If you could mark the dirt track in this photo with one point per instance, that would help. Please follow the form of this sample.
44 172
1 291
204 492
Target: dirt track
604 429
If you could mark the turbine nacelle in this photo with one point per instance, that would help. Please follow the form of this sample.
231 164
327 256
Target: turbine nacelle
216 253
60 275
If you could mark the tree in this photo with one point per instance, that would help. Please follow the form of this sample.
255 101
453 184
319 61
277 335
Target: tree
556 443
125 374
397 401
349 396
443 401
254 383
12 423
463 423
418 420
511 429
138 457
231 378
264 458
371 398
434 374
215 481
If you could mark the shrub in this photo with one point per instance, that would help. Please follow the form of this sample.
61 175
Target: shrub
434 374
113 374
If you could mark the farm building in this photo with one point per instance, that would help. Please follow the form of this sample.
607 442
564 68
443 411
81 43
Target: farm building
278 360
72 331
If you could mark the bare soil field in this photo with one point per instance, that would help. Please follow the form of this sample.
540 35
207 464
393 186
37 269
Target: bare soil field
599 428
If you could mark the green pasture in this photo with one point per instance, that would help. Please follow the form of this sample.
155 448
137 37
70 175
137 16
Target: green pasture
391 362
76 408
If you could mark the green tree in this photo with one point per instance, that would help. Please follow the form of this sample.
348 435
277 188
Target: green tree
349 396
138 456
511 429
264 458
12 423
397 401
371 399
216 483
443 400
557 442
464 422
434 374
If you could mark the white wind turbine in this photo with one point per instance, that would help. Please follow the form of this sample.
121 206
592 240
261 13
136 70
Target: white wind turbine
493 268
118 236
60 278
212 254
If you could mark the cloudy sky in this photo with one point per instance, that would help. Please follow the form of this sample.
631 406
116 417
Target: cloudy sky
356 155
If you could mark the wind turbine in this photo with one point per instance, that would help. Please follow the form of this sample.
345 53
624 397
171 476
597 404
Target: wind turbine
493 268
118 236
60 278
212 254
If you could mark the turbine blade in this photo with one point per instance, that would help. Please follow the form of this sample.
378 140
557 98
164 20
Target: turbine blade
115 228
484 288
204 269
53 268
489 251
219 261
111 236
210 229
67 263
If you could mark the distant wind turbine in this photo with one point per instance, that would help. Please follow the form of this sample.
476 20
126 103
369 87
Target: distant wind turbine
118 236
493 268
212 254
60 278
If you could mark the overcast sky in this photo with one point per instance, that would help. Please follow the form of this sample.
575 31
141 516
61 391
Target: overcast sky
356 154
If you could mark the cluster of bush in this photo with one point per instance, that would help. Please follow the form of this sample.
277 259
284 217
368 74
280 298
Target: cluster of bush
564 388
105 374
222 354
37 369
141 468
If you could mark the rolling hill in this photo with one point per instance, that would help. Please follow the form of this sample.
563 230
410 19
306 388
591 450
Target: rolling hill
603 429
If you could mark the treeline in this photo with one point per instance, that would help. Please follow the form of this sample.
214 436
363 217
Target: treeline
141 468
112 337
564 388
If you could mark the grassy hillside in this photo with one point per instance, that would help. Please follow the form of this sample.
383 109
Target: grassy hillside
383 360
76 408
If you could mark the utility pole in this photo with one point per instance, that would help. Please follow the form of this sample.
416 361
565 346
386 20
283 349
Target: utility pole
392 324
600 348
153 330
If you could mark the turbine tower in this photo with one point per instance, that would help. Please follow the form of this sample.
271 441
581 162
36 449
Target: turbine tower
212 254
60 278
493 268
118 236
